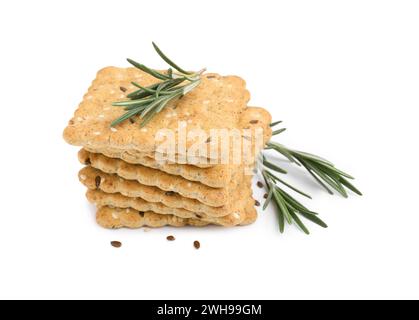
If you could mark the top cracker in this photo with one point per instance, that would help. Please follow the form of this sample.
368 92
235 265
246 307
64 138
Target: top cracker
215 104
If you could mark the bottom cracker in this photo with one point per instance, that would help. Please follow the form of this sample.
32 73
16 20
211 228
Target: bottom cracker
114 218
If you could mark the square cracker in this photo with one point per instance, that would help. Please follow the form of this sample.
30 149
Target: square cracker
109 217
164 181
110 183
216 176
215 104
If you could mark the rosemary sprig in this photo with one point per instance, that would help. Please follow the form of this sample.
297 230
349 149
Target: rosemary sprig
322 170
146 102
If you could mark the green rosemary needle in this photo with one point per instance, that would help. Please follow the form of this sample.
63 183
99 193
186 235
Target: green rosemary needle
146 102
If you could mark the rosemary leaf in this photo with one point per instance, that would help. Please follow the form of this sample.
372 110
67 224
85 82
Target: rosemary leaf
273 124
351 187
126 116
141 93
274 167
168 61
132 103
268 199
309 169
293 188
276 132
313 218
151 72
299 222
282 204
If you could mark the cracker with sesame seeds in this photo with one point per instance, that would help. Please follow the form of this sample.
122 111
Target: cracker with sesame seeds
236 216
215 176
164 181
113 218
111 183
215 104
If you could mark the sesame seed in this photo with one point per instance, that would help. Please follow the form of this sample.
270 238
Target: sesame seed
83 177
114 129
114 216
143 130
106 108
97 133
206 102
101 116
79 119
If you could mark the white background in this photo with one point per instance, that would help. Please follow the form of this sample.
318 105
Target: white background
343 75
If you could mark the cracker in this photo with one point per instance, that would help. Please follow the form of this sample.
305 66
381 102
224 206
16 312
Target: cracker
217 176
156 178
237 216
216 103
96 179
108 217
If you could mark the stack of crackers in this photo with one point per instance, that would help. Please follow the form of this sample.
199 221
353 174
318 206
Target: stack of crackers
133 183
